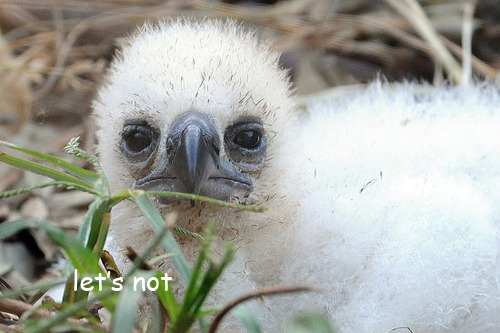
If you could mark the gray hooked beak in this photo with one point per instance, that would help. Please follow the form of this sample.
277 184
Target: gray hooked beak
196 156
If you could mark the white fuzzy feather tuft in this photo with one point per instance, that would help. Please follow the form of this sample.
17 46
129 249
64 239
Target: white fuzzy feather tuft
400 208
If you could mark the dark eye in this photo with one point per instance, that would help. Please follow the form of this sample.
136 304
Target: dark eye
137 141
137 138
245 144
248 139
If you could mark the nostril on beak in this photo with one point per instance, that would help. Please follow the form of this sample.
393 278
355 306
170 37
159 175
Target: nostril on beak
216 148
170 146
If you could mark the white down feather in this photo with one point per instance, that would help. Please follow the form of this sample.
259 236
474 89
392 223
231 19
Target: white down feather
400 209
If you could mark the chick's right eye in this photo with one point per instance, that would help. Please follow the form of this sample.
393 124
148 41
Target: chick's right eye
137 138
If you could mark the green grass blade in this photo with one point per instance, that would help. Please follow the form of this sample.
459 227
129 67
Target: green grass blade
186 232
81 258
96 225
44 170
98 221
39 286
193 287
64 327
247 319
158 224
154 260
73 148
96 210
125 313
167 298
189 196
72 292
82 233
201 284
86 175
102 234
210 277
155 325
47 325
311 322
11 193
11 228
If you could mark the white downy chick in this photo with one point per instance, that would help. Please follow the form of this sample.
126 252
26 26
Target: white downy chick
385 199
202 108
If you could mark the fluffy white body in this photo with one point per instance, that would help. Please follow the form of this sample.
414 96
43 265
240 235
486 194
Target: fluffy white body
400 209
386 199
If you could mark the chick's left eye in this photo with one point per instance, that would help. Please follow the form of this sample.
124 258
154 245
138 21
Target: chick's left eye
248 139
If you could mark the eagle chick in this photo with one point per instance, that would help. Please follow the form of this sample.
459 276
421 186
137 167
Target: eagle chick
385 199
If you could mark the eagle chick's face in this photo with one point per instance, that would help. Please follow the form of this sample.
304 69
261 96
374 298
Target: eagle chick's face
195 108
